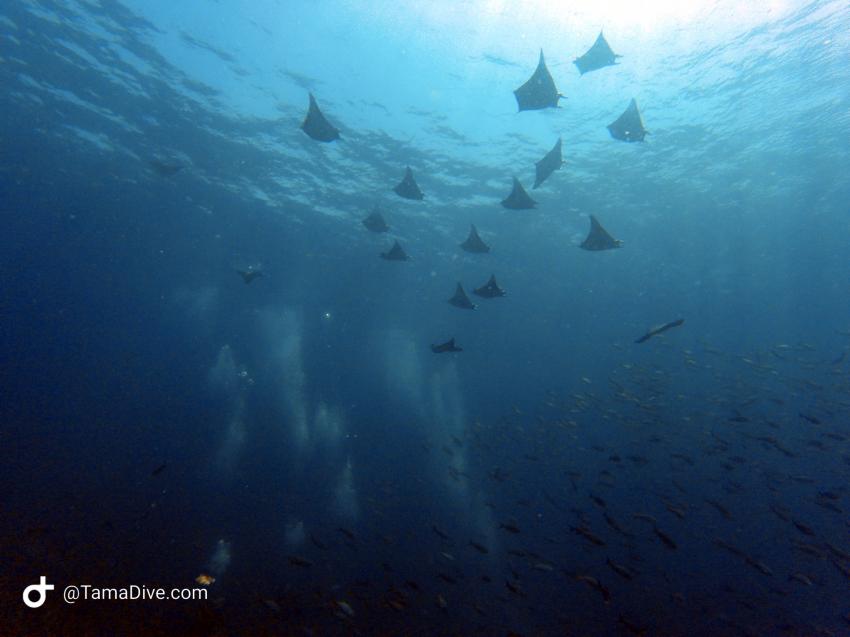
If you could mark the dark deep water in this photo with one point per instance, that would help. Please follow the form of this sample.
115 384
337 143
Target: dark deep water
296 438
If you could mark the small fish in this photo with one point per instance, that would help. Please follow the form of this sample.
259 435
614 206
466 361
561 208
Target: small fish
272 605
543 566
811 549
803 479
297 560
345 607
614 524
781 512
588 534
722 509
349 534
729 547
803 579
844 555
619 569
803 528
205 580
396 603
809 418
758 565
645 516
442 535
510 527
631 626
677 511
841 567
665 539
595 583
683 458
479 547
828 504
514 588
447 578
159 469
318 543
499 475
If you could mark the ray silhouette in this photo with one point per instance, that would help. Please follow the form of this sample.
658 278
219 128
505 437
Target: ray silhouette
474 243
448 346
539 91
597 57
490 290
518 199
408 188
316 126
598 238
461 300
375 221
551 162
628 127
249 275
396 253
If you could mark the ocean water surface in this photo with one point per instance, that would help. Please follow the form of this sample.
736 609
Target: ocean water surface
212 382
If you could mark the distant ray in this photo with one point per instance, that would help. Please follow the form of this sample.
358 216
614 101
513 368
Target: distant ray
163 168
316 126
490 290
598 238
461 300
628 127
448 346
249 274
597 57
474 243
499 61
408 188
551 162
518 199
658 330
396 253
539 91
375 221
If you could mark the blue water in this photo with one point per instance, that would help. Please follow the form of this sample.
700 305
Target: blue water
160 419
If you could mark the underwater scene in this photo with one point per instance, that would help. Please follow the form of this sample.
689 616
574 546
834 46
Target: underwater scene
369 317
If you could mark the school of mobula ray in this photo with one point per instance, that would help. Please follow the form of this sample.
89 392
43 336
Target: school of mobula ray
537 93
